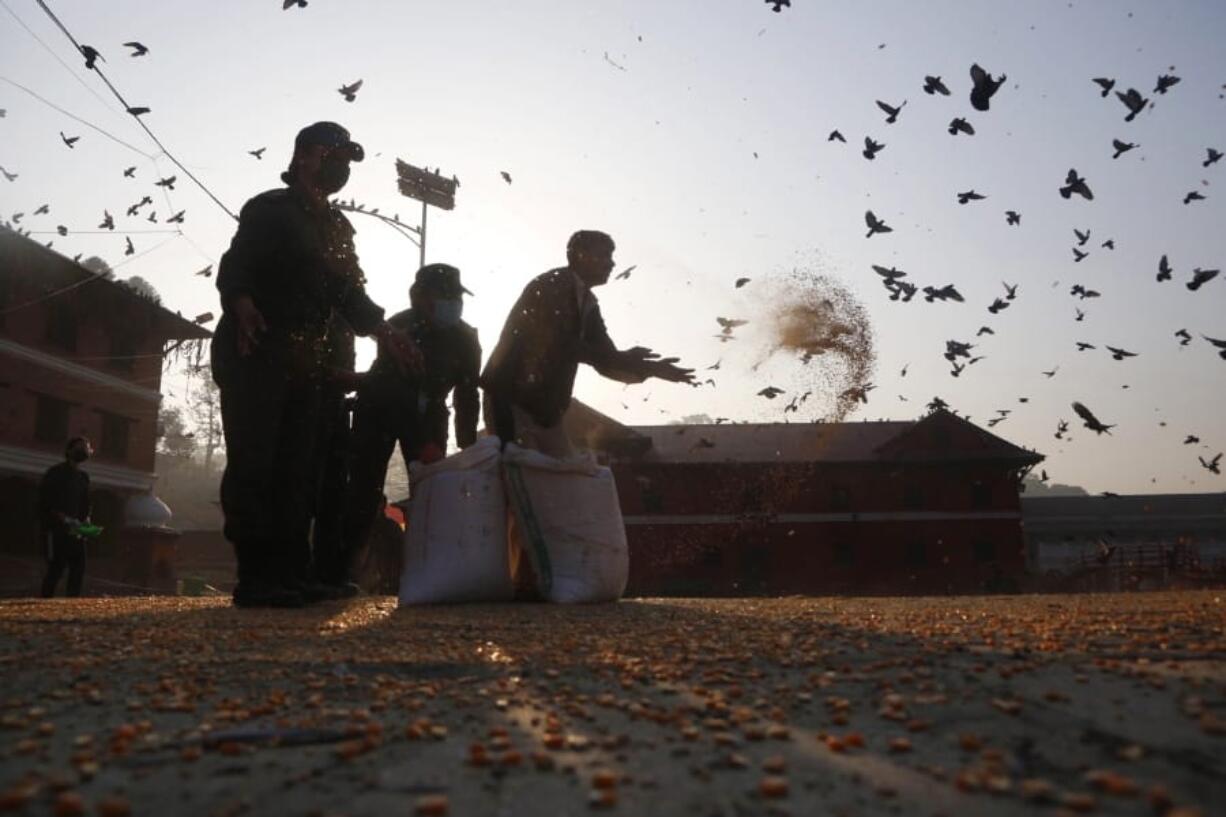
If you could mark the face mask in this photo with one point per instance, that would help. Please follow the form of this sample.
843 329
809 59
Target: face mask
447 312
332 176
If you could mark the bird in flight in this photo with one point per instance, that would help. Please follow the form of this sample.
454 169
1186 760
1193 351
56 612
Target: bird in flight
728 324
1185 337
875 225
1191 439
1083 346
288 4
129 250
945 293
740 282
1121 147
1082 238
350 92
1213 156
1120 354
959 125
1105 84
71 141
506 177
1213 466
138 111
129 172
108 221
258 152
970 195
1013 217
1164 269
1078 289
770 392
138 50
10 177
933 85
177 218
1193 195
834 134
1061 429
1091 422
891 111
1165 82
207 272
1200 277
777 5
624 274
1010 291
1079 255
168 182
871 148
1220 344
984 87
1050 373
1076 184
91 56
1133 101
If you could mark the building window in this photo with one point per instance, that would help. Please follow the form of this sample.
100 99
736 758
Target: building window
51 420
62 327
985 551
913 496
114 443
981 494
840 498
916 554
844 554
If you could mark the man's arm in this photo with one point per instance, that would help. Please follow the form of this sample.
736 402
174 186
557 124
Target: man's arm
629 366
241 264
464 398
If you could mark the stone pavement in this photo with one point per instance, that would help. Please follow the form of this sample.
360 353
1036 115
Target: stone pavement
1000 705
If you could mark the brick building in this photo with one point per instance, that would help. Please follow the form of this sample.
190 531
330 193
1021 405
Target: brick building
927 506
79 354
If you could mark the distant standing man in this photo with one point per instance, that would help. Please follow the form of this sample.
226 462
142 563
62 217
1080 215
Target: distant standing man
393 407
554 326
63 504
290 265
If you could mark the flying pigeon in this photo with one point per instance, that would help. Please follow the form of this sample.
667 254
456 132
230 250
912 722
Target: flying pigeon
997 306
108 222
624 274
129 172
288 4
777 5
138 50
1194 195
1121 147
258 152
770 392
890 111
10 177
1120 354
1185 337
1164 269
1082 238
969 195
1220 344
168 183
177 218
1078 289
1200 277
350 92
1075 184
933 85
1013 217
834 134
984 87
138 111
71 141
1165 81
207 272
1105 84
740 282
1213 465
1091 422
871 148
129 250
1133 101
1213 157
875 225
1079 255
958 124
1191 439
506 177
91 56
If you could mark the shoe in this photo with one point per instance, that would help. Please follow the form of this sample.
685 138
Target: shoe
266 595
312 591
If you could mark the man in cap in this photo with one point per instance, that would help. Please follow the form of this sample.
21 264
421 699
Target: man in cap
290 266
554 326
393 407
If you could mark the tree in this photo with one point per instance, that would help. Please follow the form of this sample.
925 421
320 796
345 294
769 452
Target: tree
204 405
173 437
97 266
694 420
142 288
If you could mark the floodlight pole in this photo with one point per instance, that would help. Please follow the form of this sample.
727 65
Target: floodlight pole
424 209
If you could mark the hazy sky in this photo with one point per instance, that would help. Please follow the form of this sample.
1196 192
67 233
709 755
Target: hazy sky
642 118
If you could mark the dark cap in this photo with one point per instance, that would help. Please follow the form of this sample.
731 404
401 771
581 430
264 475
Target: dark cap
330 135
441 278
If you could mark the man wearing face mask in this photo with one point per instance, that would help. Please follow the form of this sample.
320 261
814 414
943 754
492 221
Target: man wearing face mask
290 266
412 410
63 505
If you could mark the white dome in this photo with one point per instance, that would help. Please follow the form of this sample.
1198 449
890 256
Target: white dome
146 511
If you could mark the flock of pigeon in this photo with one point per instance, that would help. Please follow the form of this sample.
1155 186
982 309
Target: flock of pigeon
984 87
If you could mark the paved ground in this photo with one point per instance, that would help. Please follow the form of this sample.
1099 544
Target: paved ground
1002 706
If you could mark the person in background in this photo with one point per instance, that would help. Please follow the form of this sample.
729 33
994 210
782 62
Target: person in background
63 506
554 326
411 408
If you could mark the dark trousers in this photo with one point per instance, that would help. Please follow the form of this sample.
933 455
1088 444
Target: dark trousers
330 553
270 419
63 551
378 424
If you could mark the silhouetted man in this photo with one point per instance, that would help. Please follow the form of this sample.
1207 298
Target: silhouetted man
393 407
554 326
289 266
63 505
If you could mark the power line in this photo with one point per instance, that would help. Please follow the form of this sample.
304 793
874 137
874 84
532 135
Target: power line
73 116
51 51
42 4
102 232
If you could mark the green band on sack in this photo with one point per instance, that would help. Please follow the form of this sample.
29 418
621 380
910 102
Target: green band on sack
538 554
